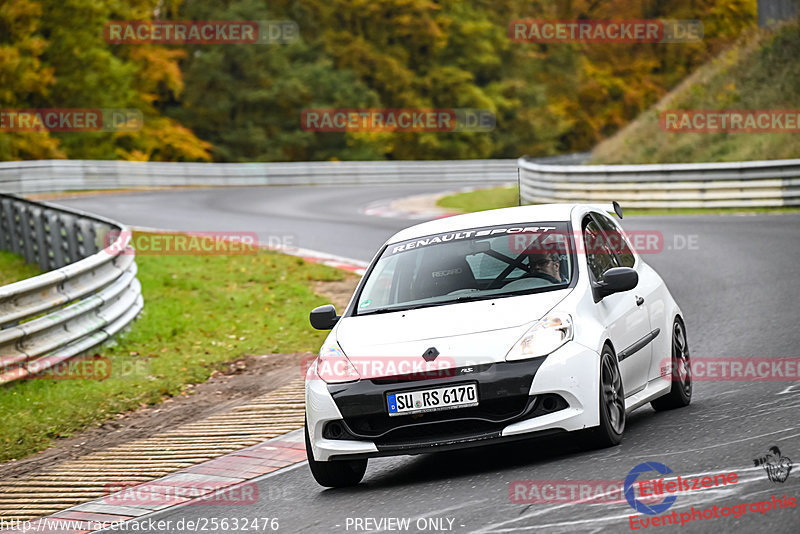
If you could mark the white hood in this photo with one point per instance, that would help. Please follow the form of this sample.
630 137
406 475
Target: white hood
464 333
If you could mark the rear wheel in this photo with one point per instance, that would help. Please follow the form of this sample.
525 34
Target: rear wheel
612 405
680 394
337 473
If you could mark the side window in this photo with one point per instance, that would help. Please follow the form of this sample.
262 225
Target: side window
599 255
617 240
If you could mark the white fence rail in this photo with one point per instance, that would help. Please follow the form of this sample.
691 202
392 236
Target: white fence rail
24 177
774 183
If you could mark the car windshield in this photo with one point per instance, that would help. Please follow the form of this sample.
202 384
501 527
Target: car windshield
469 264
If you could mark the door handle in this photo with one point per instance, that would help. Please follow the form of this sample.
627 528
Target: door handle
639 301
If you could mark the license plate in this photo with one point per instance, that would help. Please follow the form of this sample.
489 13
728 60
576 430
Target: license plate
432 400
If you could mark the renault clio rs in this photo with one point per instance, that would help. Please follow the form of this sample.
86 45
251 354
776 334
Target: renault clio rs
488 327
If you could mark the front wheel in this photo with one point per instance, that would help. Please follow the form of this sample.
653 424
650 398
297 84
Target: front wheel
680 394
337 473
612 406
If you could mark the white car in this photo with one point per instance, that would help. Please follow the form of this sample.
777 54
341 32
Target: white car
493 326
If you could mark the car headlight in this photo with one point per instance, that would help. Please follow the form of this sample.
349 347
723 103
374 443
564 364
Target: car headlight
544 337
333 366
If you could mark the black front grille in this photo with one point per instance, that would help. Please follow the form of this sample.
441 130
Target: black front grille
503 396
494 412
437 428
437 432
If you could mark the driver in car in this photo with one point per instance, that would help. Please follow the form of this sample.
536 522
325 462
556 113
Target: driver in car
546 266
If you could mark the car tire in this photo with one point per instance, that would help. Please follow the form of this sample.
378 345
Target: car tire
680 394
337 473
612 405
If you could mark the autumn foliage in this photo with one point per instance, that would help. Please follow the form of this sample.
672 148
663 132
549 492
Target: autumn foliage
244 102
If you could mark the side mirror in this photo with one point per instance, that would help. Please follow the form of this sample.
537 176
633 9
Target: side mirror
615 280
323 317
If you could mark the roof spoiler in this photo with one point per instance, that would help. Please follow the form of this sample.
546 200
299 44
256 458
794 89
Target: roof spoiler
614 207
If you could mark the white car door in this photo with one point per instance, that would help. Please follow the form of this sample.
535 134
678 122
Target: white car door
650 293
623 314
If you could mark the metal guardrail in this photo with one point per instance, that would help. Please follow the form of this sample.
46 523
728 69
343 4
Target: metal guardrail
774 183
89 294
24 177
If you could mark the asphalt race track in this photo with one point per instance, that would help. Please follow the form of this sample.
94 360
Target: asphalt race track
735 278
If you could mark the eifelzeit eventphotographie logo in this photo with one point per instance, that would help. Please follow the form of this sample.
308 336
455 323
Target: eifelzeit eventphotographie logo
776 465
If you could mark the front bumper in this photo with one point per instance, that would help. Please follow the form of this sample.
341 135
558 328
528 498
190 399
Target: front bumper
517 400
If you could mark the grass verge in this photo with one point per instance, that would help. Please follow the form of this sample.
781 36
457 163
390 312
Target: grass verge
481 200
200 311
759 72
13 268
505 197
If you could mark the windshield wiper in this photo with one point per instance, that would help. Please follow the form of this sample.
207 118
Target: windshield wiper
388 309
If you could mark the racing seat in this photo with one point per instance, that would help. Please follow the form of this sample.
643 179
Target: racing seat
439 276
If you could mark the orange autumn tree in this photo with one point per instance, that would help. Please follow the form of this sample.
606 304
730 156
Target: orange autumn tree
61 45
